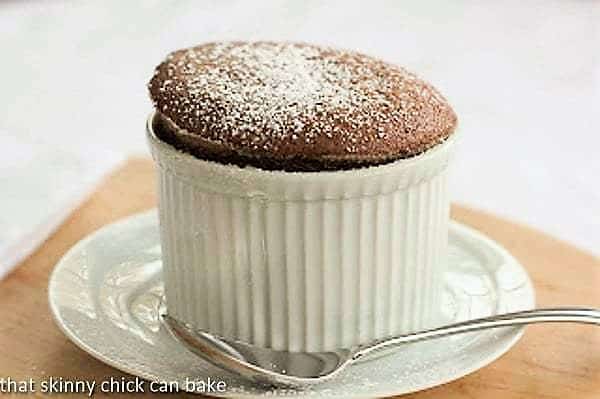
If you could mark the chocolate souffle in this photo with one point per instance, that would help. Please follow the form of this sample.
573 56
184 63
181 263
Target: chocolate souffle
294 107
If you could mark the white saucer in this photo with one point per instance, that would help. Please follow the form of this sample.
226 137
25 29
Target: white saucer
106 296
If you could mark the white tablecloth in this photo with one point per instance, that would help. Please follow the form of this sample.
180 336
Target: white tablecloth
524 78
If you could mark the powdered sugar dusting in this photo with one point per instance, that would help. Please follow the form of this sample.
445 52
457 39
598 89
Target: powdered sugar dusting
285 99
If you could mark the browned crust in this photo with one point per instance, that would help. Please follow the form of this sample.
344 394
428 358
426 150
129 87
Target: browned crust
295 107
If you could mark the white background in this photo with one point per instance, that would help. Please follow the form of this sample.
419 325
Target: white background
523 76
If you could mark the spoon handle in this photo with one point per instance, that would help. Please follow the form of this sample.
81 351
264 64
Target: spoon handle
544 315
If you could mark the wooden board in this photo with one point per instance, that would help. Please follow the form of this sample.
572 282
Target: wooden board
549 362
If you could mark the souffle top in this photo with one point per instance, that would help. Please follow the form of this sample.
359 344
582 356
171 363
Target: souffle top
294 107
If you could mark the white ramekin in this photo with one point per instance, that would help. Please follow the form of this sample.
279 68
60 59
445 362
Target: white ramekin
303 261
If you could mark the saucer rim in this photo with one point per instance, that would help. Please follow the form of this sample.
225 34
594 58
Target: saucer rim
460 228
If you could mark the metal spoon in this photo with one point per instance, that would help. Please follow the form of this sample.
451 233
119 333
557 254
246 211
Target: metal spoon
275 367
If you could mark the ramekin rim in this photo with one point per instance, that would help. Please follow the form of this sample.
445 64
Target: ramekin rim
251 171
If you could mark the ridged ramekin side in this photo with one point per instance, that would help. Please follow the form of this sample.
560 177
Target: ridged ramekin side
307 269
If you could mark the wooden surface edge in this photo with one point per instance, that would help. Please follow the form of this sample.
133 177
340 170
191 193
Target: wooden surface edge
562 362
